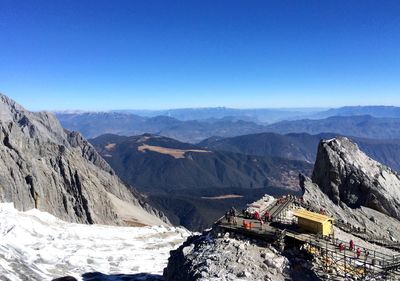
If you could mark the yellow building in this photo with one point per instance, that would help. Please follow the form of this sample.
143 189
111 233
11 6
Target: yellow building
314 222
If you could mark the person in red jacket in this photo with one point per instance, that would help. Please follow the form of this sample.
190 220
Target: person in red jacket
341 247
358 251
267 216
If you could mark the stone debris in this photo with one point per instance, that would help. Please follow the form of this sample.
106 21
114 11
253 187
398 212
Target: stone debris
230 257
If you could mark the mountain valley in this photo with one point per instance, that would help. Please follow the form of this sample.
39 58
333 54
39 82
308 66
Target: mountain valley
183 180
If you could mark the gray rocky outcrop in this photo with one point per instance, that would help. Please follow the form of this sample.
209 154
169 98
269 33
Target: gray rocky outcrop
46 167
374 223
349 177
224 256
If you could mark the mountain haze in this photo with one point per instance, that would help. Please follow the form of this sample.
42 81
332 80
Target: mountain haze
374 111
95 124
193 131
363 126
263 115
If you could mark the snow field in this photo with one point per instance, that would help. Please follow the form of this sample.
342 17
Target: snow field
35 245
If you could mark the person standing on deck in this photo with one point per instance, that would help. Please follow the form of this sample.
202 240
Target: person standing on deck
267 216
358 251
341 247
351 245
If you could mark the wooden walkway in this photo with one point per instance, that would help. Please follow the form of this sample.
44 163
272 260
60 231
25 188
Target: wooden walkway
258 230
346 263
370 263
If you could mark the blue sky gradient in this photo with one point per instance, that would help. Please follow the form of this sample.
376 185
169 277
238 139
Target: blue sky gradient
100 55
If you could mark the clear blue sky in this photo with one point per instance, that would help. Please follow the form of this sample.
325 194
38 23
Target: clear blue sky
151 54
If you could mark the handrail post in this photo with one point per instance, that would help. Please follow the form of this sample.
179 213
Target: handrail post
345 269
326 255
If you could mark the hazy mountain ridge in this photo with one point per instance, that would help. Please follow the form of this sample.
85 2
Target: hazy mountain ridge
263 115
363 126
291 146
378 111
96 124
302 146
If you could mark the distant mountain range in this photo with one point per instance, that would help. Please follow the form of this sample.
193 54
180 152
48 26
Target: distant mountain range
260 115
363 126
185 181
95 124
301 146
374 111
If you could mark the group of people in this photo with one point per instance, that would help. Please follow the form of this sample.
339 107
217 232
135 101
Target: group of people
256 215
352 248
230 216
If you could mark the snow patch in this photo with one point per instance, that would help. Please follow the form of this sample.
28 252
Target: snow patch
39 246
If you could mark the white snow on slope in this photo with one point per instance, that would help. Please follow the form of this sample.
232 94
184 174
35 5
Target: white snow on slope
35 245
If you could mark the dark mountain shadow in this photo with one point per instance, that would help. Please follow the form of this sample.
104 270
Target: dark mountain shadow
98 276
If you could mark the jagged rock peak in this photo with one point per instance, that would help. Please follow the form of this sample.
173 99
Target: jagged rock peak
348 176
46 167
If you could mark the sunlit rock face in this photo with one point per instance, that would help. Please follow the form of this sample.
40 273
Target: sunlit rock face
348 176
45 167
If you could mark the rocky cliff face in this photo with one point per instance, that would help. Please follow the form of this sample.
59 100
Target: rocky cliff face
43 166
349 177
376 224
